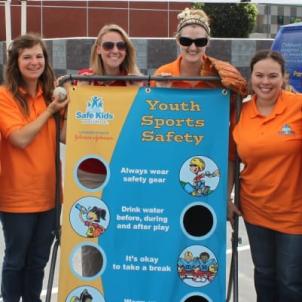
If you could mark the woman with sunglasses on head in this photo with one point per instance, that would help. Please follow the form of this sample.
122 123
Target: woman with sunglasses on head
28 178
192 37
268 137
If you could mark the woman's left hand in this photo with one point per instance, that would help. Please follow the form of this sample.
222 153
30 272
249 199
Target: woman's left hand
232 212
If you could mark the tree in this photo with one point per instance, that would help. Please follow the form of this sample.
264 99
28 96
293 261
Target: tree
230 20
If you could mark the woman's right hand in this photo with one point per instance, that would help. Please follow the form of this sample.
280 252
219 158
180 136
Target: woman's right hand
232 212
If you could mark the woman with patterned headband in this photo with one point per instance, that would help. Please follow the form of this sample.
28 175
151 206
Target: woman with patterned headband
193 32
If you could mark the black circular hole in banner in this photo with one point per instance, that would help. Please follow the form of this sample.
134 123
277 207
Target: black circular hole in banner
196 299
198 220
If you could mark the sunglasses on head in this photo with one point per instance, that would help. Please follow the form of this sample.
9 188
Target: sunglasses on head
110 45
200 42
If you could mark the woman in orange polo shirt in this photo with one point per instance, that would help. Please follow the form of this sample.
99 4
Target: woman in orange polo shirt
112 54
192 37
27 181
268 137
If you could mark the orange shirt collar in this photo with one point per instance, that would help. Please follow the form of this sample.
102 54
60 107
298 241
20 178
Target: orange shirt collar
278 109
204 70
39 91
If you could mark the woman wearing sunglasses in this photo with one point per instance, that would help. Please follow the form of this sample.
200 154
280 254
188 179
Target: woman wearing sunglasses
112 54
192 37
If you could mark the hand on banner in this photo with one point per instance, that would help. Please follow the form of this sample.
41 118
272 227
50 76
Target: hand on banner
232 212
166 83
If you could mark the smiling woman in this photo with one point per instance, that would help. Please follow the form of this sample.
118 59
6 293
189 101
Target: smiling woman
27 182
112 54
193 37
268 137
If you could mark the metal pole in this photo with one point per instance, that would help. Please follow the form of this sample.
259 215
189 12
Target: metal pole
235 235
58 195
235 240
70 78
8 23
23 17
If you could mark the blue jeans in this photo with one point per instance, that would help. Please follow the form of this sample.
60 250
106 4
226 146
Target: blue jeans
28 239
277 261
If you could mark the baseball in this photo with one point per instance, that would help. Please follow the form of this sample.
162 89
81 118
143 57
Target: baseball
60 92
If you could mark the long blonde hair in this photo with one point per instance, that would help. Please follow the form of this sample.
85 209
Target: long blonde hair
128 66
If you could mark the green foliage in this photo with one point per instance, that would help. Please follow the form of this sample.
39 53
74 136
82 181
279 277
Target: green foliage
295 20
230 20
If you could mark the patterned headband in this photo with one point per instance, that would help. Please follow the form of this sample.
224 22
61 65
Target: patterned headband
193 16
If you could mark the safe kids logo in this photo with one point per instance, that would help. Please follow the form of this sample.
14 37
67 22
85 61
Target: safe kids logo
286 130
95 113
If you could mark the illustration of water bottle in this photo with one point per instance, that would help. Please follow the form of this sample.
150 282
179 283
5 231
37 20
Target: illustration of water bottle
81 208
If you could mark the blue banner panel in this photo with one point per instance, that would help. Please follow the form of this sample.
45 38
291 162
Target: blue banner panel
166 196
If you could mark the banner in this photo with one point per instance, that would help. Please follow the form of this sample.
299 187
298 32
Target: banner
145 195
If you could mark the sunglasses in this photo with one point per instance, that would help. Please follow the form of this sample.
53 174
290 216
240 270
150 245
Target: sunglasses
200 42
110 45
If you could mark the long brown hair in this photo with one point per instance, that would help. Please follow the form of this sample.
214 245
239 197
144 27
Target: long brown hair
128 66
13 78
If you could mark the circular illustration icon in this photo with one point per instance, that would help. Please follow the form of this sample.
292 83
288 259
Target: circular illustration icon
91 173
87 261
85 294
89 217
197 266
199 176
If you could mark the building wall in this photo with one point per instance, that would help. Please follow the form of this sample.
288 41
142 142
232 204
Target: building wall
271 17
67 56
60 19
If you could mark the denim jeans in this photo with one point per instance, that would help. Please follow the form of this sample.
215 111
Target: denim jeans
277 261
28 239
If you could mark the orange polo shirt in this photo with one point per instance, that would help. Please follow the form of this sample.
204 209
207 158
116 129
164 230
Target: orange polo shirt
0 153
174 69
27 181
270 147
